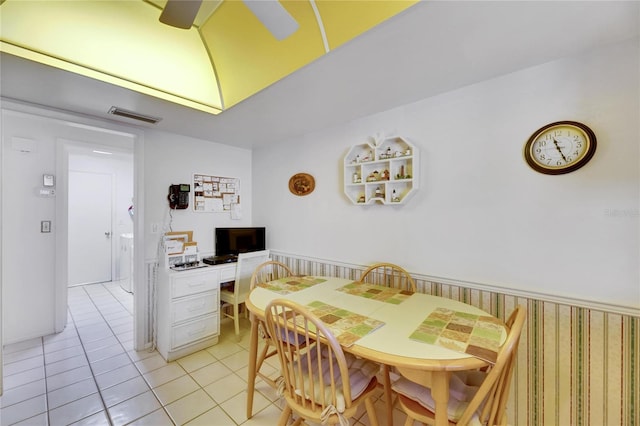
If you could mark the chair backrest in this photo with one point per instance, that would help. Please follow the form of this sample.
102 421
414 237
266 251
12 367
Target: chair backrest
310 348
494 390
388 275
247 263
269 271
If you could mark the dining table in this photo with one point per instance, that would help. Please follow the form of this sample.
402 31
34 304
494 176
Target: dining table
391 338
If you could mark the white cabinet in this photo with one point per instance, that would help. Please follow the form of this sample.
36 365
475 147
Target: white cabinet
382 172
188 309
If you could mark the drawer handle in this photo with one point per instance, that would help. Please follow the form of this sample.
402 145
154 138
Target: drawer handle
199 284
198 331
196 307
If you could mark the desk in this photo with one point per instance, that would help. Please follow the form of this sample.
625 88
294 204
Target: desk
390 344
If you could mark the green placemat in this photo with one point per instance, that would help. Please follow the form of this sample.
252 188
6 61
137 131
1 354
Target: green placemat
376 292
471 334
291 284
345 325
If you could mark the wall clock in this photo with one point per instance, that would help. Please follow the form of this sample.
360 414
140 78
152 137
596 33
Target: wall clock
302 184
560 147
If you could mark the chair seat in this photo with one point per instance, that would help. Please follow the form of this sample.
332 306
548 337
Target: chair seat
462 388
361 373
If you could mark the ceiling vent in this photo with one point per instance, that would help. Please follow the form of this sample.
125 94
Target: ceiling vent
133 115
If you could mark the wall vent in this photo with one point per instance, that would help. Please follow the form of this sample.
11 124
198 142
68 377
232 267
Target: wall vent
133 115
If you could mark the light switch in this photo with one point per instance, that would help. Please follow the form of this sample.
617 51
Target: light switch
45 226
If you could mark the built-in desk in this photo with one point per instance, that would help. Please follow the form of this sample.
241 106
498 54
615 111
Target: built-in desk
189 309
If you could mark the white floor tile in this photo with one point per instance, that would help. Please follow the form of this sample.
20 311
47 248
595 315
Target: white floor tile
76 410
8 358
190 407
22 365
151 363
236 407
23 410
157 418
70 393
68 378
215 416
209 374
22 393
133 409
98 419
119 375
125 390
196 360
175 389
39 420
109 364
164 374
226 388
23 378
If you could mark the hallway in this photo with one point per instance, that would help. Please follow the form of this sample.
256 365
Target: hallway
90 375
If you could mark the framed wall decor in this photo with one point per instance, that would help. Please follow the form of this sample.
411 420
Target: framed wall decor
302 184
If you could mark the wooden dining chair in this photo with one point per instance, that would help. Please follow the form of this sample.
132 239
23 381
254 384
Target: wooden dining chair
320 383
236 294
394 276
475 396
388 275
265 272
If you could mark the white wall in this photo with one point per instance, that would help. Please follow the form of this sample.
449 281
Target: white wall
481 214
172 159
29 257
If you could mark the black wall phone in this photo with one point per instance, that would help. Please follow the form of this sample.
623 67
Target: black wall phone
179 196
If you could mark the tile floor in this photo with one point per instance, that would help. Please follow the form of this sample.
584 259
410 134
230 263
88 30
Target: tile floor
89 374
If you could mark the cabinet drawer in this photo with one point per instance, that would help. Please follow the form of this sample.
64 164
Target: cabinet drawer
192 284
227 274
195 330
194 306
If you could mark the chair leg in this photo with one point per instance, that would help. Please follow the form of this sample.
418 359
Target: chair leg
284 417
236 319
371 412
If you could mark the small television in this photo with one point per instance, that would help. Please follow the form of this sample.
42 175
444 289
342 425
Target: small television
232 241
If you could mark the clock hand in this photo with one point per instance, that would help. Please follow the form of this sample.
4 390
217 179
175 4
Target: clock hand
559 150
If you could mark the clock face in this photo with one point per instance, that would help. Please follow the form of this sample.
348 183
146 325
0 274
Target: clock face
560 147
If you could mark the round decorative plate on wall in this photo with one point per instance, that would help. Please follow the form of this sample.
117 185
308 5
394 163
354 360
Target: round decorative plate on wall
302 184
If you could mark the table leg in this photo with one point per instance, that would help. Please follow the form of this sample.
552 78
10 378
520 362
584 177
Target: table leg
388 394
253 357
440 394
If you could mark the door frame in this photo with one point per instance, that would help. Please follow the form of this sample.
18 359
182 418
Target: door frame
140 290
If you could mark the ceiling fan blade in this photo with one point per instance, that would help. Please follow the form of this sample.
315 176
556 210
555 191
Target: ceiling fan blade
273 16
180 13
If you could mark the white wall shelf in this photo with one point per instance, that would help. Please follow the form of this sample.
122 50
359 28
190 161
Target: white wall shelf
382 172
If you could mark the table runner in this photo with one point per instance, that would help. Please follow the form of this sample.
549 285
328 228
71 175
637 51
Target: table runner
345 325
476 335
376 292
292 284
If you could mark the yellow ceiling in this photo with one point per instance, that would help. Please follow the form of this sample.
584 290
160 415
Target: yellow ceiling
228 58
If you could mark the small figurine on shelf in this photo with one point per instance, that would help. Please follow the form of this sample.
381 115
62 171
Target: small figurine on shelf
394 197
388 155
357 158
407 152
378 193
385 175
356 178
361 199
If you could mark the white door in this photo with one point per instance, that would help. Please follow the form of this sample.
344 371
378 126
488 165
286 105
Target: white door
90 239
